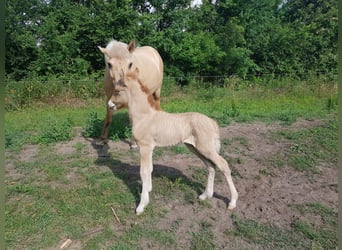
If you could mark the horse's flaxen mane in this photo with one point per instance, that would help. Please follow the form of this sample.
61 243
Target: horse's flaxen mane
117 49
151 100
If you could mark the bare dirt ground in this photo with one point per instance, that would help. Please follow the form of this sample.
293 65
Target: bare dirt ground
266 192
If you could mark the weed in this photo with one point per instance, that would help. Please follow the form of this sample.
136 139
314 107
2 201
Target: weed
25 93
287 118
323 236
144 233
199 174
331 103
180 149
268 236
276 160
203 239
119 127
55 131
309 146
93 126
15 139
79 146
264 171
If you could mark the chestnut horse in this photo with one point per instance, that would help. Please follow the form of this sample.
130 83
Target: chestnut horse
121 59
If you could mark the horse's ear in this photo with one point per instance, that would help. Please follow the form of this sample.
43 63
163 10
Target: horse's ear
103 50
131 46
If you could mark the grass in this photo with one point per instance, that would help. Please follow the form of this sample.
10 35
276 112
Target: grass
307 147
51 196
224 104
268 236
302 235
203 238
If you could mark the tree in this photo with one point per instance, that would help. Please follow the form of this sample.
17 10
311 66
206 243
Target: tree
222 37
21 23
315 23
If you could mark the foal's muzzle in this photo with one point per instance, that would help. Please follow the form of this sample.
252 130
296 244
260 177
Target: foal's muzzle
111 106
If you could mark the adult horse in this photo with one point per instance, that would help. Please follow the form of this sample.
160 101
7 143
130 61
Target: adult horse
121 60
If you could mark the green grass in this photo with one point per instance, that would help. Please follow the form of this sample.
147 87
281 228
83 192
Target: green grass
302 234
268 236
266 103
321 238
308 147
45 206
50 123
203 238
51 196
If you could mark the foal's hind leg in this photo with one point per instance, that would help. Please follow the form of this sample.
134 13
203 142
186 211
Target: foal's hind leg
212 156
222 164
209 190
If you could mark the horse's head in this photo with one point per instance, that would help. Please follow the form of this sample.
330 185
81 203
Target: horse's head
119 61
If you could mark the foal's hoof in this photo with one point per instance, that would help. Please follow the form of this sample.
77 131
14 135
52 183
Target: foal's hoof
205 196
139 211
202 197
231 206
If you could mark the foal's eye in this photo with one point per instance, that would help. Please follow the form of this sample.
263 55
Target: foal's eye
109 65
130 65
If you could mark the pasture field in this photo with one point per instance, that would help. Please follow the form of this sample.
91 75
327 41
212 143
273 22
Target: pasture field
280 140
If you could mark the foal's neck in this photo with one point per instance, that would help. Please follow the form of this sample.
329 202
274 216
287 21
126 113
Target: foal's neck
141 103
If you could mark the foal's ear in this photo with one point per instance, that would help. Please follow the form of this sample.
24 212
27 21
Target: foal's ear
131 46
103 50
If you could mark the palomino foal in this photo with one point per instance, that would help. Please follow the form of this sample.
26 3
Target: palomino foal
121 59
153 127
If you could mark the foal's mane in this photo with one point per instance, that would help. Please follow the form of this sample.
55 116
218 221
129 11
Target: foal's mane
150 97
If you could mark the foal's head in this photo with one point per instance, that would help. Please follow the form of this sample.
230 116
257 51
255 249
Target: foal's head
119 60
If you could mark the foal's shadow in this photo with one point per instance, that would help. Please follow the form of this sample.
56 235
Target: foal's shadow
130 174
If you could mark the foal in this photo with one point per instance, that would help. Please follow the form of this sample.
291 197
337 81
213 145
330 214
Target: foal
153 127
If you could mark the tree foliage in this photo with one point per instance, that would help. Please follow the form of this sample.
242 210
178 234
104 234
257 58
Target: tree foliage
224 37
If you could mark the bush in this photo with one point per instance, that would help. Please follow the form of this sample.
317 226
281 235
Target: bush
23 94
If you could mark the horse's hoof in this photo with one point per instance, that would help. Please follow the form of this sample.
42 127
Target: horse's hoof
101 142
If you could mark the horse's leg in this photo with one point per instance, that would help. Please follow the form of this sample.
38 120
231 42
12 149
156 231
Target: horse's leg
109 90
105 130
209 190
146 168
156 96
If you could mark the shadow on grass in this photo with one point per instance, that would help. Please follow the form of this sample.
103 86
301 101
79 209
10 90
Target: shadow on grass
130 174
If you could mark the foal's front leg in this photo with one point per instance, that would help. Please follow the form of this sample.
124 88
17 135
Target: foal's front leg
146 168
